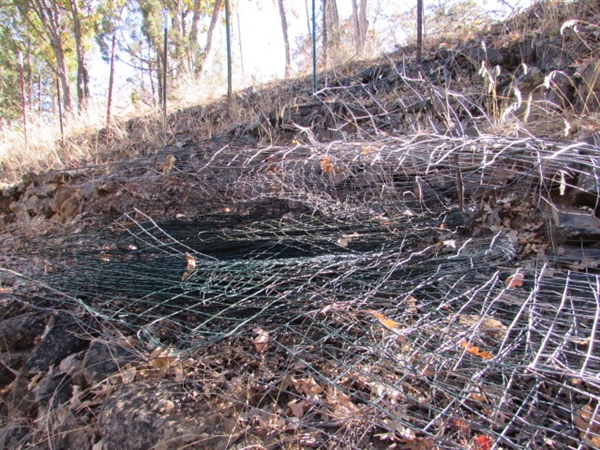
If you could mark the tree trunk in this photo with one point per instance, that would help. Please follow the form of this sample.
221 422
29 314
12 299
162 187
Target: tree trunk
325 39
359 14
50 18
229 64
194 47
61 71
201 66
286 40
83 79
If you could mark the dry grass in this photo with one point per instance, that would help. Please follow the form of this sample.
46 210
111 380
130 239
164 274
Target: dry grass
197 110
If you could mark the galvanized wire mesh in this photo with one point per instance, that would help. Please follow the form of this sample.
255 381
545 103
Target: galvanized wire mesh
392 310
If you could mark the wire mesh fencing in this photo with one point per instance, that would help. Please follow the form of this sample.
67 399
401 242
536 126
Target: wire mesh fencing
366 295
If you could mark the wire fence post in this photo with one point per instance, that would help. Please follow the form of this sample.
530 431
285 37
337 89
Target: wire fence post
229 67
164 86
314 46
419 31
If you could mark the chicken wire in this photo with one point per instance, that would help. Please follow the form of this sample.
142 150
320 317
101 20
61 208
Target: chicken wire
356 295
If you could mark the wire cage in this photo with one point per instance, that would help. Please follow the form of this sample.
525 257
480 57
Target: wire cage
367 295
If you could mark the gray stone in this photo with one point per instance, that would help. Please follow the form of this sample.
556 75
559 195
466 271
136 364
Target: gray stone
20 332
61 196
53 390
14 435
60 340
88 191
11 363
588 98
490 55
573 225
159 415
36 206
103 360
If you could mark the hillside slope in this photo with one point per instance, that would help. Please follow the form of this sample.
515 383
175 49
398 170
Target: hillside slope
407 259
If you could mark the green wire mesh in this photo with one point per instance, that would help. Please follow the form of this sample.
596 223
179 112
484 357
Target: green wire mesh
391 312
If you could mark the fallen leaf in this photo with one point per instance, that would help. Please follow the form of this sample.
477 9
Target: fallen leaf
34 381
411 305
474 350
488 325
485 355
419 443
343 407
582 342
75 401
260 341
161 359
179 374
297 408
326 164
588 423
460 425
168 164
191 265
514 281
482 442
438 247
343 242
128 375
478 397
307 386
388 323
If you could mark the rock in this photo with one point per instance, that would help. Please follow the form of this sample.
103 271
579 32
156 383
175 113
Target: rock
14 435
71 208
11 306
60 340
562 90
108 187
490 55
529 80
588 182
53 390
29 178
88 191
588 98
20 332
573 225
22 401
11 363
549 55
5 202
15 207
44 190
103 360
75 433
61 196
39 206
162 416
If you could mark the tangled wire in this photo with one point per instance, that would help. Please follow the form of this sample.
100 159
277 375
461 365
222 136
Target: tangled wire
367 293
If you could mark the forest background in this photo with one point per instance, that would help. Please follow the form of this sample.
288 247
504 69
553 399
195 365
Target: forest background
67 66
